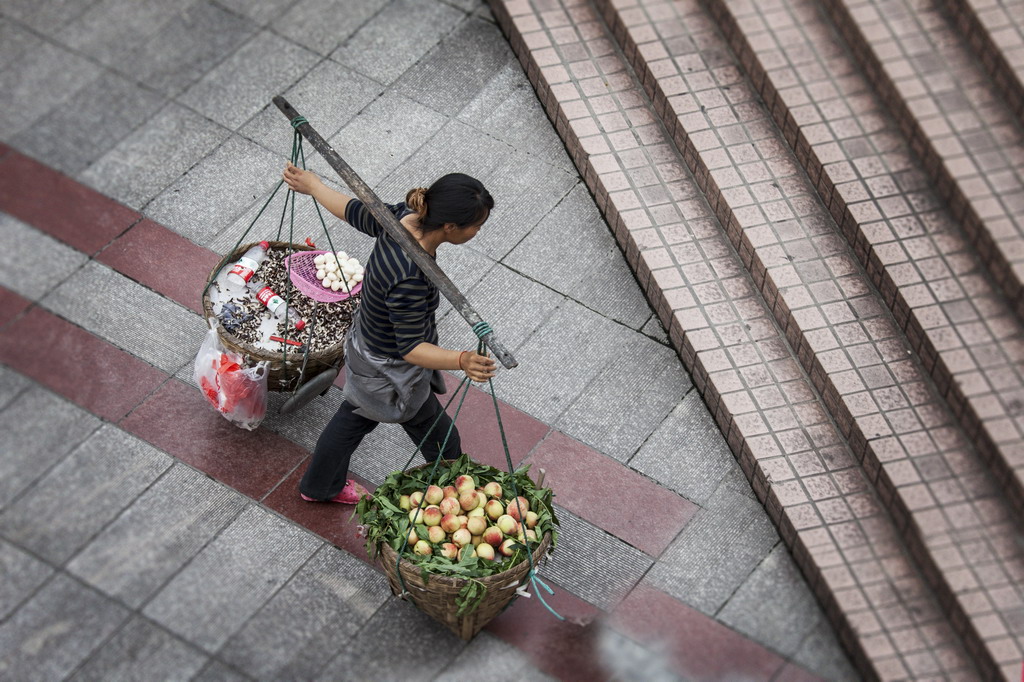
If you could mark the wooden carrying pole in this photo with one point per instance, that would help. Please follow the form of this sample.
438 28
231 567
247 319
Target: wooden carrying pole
390 223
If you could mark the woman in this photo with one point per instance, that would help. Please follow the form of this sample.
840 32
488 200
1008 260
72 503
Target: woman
391 354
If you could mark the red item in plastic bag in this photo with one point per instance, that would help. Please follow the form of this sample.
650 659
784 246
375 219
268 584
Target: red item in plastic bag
237 392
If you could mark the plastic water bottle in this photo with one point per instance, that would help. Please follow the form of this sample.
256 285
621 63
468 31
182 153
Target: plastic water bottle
275 304
243 269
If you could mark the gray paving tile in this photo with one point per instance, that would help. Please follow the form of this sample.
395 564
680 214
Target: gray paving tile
39 430
11 386
715 553
40 80
188 45
215 671
572 251
822 654
455 148
426 646
654 329
161 332
241 85
33 262
323 25
562 356
328 96
323 606
488 653
56 630
200 204
687 452
449 76
507 108
774 606
260 11
384 134
573 564
302 427
46 16
434 20
15 41
142 650
83 128
514 305
629 661
153 156
226 583
83 493
156 535
111 30
22 573
525 189
628 400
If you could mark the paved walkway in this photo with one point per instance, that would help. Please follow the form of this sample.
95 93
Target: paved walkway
141 536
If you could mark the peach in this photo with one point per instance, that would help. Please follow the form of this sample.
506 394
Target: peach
463 520
477 525
477 540
494 509
462 537
481 499
493 489
449 550
485 551
507 524
433 495
506 547
479 511
416 498
403 503
450 491
465 484
423 548
450 505
518 508
415 515
449 523
469 500
531 519
432 516
436 534
413 538
493 536
531 535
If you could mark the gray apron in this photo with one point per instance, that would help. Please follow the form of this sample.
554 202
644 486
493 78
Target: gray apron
383 388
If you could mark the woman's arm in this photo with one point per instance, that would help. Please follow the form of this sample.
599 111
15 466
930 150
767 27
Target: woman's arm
477 367
307 182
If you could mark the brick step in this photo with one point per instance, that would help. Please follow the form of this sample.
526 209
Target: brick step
994 29
955 119
941 495
801 466
957 321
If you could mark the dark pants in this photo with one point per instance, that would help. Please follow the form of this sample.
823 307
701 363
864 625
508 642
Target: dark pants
328 470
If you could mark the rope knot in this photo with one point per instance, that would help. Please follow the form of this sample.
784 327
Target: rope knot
482 329
297 121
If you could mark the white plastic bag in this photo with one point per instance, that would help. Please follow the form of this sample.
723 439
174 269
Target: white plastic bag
237 392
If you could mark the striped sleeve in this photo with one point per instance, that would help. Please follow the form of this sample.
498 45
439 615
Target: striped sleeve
359 217
408 312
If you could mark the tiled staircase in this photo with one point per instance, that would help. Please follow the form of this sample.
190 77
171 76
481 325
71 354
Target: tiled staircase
825 204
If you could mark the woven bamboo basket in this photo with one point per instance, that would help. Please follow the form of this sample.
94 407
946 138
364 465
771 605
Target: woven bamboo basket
437 596
281 376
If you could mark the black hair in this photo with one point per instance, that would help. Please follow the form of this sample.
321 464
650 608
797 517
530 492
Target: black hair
453 198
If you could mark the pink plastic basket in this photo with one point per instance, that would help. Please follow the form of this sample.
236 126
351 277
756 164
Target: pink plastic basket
303 276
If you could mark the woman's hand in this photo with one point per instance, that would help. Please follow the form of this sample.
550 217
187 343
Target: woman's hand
477 367
302 181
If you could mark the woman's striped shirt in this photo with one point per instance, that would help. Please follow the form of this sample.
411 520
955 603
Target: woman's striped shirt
398 302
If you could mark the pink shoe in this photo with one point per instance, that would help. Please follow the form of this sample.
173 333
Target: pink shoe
350 494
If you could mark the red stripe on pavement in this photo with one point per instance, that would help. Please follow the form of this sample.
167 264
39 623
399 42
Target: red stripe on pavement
11 304
162 260
61 207
610 495
699 647
179 421
76 364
